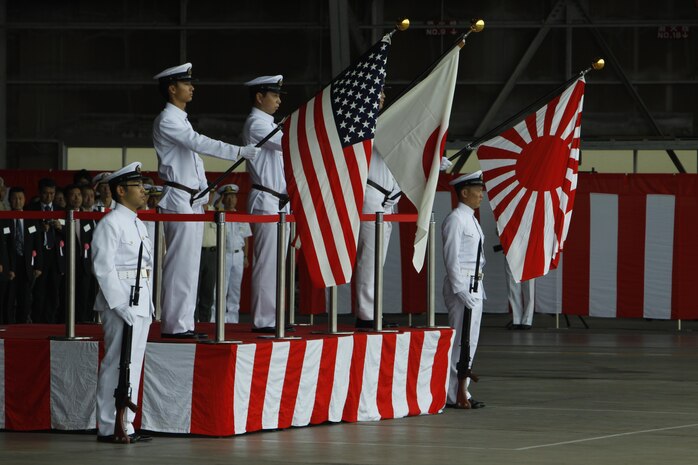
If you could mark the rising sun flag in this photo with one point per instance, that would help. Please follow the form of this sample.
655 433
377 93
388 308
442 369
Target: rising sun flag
530 172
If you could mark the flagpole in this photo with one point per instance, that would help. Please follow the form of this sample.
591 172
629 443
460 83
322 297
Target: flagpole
212 185
402 24
476 25
598 64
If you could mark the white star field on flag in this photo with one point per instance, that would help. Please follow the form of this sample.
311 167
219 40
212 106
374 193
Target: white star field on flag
355 97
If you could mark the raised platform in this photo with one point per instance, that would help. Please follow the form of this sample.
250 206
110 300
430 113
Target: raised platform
223 389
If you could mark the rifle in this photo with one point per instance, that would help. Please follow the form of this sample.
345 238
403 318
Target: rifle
463 367
122 393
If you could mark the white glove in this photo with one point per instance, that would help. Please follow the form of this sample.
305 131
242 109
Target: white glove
249 151
445 164
467 299
125 314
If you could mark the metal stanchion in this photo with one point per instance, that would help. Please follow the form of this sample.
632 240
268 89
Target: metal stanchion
291 272
378 278
431 276
70 281
220 282
159 257
291 261
281 246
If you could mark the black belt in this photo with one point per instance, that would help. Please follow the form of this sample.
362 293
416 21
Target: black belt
182 187
210 249
283 198
386 193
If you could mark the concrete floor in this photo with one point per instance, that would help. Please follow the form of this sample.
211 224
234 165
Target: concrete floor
622 392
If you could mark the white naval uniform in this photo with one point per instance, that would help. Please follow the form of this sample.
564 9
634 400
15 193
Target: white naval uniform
115 244
177 146
235 235
461 233
267 170
521 298
364 269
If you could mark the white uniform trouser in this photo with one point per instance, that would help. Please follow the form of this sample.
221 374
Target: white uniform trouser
364 270
456 309
113 327
521 299
263 291
235 265
180 274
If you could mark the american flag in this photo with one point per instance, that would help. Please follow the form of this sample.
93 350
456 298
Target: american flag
327 146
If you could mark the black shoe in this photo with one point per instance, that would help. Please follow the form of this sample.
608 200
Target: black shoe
185 335
140 437
111 439
476 403
525 327
514 327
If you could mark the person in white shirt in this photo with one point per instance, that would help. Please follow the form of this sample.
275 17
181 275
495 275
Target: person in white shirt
236 239
267 197
178 147
116 244
462 241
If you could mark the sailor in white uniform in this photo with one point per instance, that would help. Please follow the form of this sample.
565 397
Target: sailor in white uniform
178 147
115 248
382 195
462 239
236 238
267 197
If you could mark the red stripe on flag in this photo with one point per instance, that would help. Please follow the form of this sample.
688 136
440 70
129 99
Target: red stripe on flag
513 136
550 109
311 260
384 394
292 379
413 366
531 125
212 390
335 185
319 206
439 370
325 381
575 267
492 193
512 227
685 257
504 203
534 263
632 211
356 378
27 384
571 110
258 387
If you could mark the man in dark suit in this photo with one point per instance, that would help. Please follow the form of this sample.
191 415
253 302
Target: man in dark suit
25 259
47 288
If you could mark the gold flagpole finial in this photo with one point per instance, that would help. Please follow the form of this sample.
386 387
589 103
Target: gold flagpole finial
477 25
598 64
402 24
